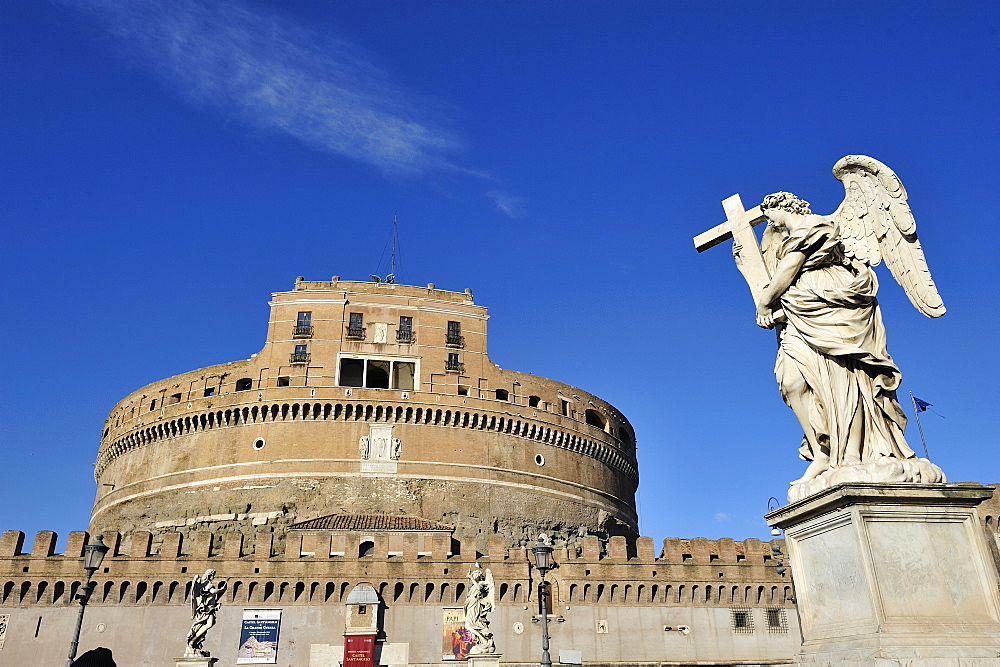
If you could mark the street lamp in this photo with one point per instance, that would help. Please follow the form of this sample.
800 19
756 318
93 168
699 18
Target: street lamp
543 561
93 556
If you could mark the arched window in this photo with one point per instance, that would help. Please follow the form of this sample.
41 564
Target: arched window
595 418
533 401
502 395
244 384
366 548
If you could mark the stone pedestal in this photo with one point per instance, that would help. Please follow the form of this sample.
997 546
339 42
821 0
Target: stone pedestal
485 660
195 661
893 574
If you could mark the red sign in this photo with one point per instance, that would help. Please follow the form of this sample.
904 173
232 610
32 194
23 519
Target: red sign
359 650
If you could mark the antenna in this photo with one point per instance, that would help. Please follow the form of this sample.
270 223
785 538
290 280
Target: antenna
391 278
394 241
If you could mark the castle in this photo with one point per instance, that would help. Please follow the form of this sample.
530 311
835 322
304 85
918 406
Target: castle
362 463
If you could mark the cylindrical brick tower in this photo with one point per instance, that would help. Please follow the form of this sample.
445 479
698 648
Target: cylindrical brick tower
372 399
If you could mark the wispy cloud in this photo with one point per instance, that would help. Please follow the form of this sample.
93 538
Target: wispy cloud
507 204
260 68
722 516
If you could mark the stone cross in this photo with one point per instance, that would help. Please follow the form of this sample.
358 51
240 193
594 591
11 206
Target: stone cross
739 226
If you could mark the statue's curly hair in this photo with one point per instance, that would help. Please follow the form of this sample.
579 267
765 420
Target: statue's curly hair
787 202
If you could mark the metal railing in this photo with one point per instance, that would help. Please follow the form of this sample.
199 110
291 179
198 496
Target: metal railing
302 331
454 340
356 333
405 336
299 358
454 366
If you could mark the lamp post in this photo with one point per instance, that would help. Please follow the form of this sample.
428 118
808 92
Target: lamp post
543 561
93 556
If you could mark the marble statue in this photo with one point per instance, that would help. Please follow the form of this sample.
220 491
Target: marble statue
205 601
479 601
816 287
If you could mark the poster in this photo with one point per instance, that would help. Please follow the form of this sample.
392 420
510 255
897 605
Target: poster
259 637
456 640
359 650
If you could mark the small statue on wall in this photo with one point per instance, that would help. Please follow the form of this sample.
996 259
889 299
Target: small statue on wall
479 601
205 601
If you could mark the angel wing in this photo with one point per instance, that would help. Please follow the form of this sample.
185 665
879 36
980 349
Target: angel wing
491 591
876 224
195 594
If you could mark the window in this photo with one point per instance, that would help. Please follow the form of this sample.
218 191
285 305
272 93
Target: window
453 363
594 418
404 334
245 384
300 355
454 336
209 391
174 398
366 548
284 381
303 325
742 619
463 390
152 404
377 373
564 407
777 621
377 376
533 401
502 394
362 609
355 327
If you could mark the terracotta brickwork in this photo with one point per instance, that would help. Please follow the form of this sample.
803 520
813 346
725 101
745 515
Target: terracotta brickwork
257 445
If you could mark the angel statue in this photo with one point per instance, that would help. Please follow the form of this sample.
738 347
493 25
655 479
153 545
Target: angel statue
205 601
832 367
479 601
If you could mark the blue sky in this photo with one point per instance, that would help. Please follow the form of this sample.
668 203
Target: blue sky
164 167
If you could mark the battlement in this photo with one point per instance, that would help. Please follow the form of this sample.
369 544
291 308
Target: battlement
429 568
335 284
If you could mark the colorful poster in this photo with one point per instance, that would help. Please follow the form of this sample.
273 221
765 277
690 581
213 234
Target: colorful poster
259 637
359 650
456 640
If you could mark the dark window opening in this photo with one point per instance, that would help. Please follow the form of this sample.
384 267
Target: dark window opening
209 391
533 401
174 398
244 384
403 373
284 381
404 334
152 404
378 375
362 609
352 372
594 418
355 327
454 336
453 363
463 390
303 325
564 407
300 355
742 619
503 395
366 548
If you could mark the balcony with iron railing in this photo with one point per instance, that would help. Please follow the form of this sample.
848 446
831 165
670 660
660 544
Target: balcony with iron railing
299 358
405 336
454 340
302 331
454 366
356 333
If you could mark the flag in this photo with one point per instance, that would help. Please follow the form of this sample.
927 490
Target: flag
921 405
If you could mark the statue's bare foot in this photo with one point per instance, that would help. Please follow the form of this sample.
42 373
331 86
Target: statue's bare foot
814 470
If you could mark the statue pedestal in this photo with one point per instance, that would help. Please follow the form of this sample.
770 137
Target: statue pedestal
194 661
485 660
893 574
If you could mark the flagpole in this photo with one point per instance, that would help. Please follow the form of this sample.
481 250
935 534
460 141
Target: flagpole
920 427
